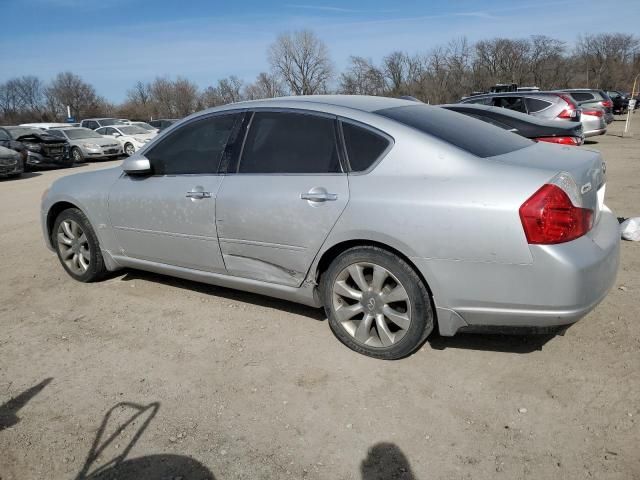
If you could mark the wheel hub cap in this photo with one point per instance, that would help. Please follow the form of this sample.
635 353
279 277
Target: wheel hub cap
371 304
73 246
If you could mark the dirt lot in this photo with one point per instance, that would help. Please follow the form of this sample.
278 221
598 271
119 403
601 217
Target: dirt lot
206 382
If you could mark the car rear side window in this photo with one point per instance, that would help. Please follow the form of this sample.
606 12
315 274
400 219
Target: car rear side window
284 142
363 146
469 134
535 104
196 148
479 101
4 135
510 103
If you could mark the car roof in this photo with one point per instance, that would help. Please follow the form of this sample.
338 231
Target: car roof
365 103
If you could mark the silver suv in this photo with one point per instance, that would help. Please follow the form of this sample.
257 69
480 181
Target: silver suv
95 123
551 106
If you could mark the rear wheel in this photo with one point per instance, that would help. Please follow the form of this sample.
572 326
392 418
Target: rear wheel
376 303
77 246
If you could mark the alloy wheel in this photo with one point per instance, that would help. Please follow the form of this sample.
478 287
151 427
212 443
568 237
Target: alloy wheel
73 246
371 304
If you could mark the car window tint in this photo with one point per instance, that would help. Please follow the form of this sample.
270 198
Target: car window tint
102 131
195 148
535 104
469 134
55 133
363 146
480 101
4 135
511 103
582 96
282 142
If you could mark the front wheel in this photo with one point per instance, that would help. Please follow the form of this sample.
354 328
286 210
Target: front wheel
76 155
376 303
129 149
77 246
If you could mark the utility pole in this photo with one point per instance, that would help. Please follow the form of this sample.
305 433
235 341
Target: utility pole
632 106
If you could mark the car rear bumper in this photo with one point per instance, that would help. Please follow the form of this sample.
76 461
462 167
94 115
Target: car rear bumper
563 283
595 133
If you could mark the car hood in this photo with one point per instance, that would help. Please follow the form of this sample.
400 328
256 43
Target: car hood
6 153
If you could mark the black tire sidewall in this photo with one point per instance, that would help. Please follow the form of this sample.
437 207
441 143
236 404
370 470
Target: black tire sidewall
96 264
422 312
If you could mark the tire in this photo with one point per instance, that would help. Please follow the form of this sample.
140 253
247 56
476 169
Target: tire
129 149
397 325
76 155
74 251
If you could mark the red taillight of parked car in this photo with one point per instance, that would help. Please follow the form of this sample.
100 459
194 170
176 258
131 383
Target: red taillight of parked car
571 111
549 217
561 140
595 113
607 103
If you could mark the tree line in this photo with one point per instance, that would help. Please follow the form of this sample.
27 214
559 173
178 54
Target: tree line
300 64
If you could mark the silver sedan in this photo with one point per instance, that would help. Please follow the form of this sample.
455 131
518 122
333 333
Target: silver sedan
396 217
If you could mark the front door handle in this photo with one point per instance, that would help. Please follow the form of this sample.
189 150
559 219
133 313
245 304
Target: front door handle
198 195
319 196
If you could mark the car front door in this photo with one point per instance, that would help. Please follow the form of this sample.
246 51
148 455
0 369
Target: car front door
281 198
168 217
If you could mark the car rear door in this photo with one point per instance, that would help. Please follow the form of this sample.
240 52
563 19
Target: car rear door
168 217
282 196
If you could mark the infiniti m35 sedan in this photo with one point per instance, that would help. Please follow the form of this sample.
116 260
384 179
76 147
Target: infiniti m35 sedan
396 217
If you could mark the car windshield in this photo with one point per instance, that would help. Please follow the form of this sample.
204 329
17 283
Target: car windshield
20 131
132 130
79 133
144 125
469 134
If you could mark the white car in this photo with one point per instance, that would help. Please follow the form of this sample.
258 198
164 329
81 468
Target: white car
146 126
131 137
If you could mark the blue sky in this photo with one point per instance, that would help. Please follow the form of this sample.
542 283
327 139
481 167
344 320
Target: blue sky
114 43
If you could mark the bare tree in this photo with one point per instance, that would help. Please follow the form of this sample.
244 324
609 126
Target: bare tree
607 58
266 85
68 89
362 78
301 59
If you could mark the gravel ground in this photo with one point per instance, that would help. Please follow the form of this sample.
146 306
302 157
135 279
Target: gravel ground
144 373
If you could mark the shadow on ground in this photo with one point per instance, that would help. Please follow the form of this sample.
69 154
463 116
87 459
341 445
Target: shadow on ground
8 411
23 176
149 467
385 461
227 293
491 342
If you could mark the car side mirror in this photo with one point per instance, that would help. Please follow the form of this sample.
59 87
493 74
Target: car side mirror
136 166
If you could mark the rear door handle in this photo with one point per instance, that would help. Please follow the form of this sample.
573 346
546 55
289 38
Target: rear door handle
198 195
319 197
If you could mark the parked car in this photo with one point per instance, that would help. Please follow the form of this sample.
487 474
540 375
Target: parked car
146 126
586 98
593 122
162 123
394 215
131 137
620 102
528 126
7 141
550 106
43 149
88 144
11 163
95 123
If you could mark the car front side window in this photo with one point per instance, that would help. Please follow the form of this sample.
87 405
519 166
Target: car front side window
290 143
195 148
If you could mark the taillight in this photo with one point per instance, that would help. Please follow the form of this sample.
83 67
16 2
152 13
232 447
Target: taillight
560 140
572 109
607 103
549 216
595 113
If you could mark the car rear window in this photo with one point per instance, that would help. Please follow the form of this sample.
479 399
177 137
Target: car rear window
582 96
469 134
